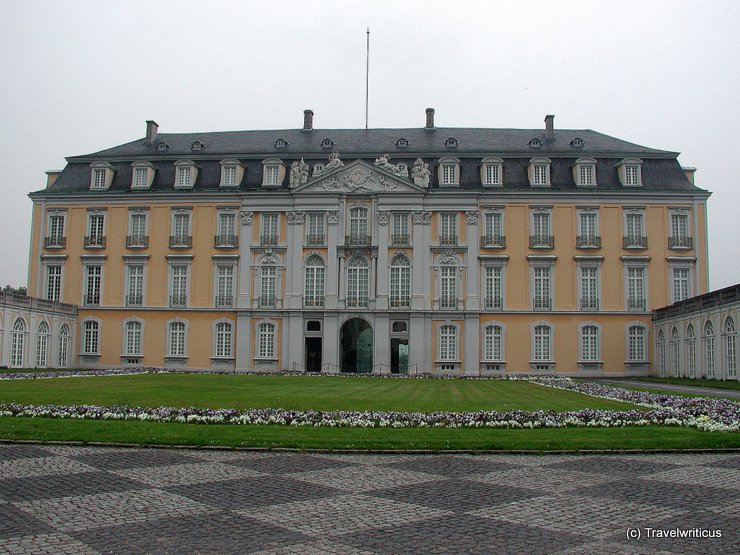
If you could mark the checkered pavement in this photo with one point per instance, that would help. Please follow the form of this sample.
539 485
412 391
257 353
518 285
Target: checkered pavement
65 499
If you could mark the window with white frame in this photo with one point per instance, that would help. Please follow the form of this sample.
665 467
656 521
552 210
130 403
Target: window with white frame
176 336
273 172
541 229
542 343
181 229
224 338
660 353
102 175
269 229
449 171
224 285
186 173
231 173
539 172
268 283
494 229
99 180
42 345
588 229
541 287
448 287
493 343
17 343
634 230
448 228
584 172
590 343
589 287
709 354
400 281
64 344
271 175
95 230
137 229
132 338
315 279
315 232
730 337
358 282
55 236
636 280
358 216
681 284
134 284
679 236
266 340
675 353
140 179
492 172
90 337
225 225
93 281
448 343
636 336
630 172
494 287
53 282
400 228
691 351
178 285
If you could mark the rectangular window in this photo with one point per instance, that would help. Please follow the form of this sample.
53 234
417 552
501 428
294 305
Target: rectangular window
494 229
358 283
315 228
229 176
400 293
133 338
448 228
540 172
95 230
135 285
223 339
266 341
400 222
586 174
90 337
271 175
53 283
269 229
635 230
587 227
448 174
225 229
492 344
681 281
179 286
636 289
590 344
632 174
358 223
137 225
268 284
224 286
542 289
93 276
636 348
177 339
99 179
448 287
679 231
181 234
448 343
56 228
493 174
589 288
541 230
141 178
542 345
183 176
493 284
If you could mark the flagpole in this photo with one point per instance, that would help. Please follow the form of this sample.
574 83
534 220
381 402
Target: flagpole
367 76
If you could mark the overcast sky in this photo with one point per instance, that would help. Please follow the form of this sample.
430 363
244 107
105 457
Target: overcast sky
78 77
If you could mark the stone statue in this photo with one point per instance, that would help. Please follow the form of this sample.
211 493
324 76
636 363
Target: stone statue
420 173
298 173
334 162
384 162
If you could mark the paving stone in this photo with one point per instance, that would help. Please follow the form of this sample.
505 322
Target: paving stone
712 476
289 463
223 533
184 474
613 466
41 466
732 462
111 509
612 548
42 544
63 485
362 478
342 514
453 466
13 451
133 458
551 482
15 522
317 547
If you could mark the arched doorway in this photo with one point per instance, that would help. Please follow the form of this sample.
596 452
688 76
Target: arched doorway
356 340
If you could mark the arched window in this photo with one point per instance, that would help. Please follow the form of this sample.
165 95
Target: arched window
223 339
731 347
42 346
266 340
176 333
315 273
132 338
709 358
661 353
90 337
358 225
63 346
358 282
590 351
691 351
542 343
448 343
636 343
493 343
675 353
400 278
17 343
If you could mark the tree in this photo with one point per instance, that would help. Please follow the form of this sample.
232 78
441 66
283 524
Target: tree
15 290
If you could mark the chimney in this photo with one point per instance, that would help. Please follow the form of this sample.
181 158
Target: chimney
430 118
689 174
51 177
307 120
549 127
151 132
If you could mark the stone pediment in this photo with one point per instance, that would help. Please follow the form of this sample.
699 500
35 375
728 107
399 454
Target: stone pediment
359 177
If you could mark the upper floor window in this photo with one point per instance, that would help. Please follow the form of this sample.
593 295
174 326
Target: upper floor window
493 284
269 231
584 172
181 229
400 281
327 144
588 229
400 229
137 229
102 175
494 229
197 146
449 171
358 219
538 170
679 237
162 146
53 282
681 283
315 229
281 144
143 175
315 279
634 226
630 172
402 143
636 287
448 228
535 143
492 172
232 172
358 282
225 226
542 236
186 172
577 143
95 237
55 236
451 143
273 172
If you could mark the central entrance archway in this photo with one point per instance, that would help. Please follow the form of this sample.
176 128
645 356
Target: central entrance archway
356 341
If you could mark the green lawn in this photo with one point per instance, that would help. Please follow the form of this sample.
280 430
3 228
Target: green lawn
652 437
719 384
299 393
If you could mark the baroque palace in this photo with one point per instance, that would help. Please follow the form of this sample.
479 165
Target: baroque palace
426 250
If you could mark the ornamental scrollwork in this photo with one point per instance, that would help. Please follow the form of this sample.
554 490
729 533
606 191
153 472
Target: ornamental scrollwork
246 217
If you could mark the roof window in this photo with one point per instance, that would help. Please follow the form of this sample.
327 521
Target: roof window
451 143
327 144
162 146
535 143
196 146
402 143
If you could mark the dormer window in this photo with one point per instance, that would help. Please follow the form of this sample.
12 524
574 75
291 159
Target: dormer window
402 143
186 172
197 146
143 175
535 143
232 172
273 172
491 172
162 146
630 172
584 172
281 144
102 175
538 171
318 169
327 144
451 143
449 172
577 143
403 169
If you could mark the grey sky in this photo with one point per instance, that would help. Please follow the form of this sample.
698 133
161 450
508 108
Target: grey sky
78 77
